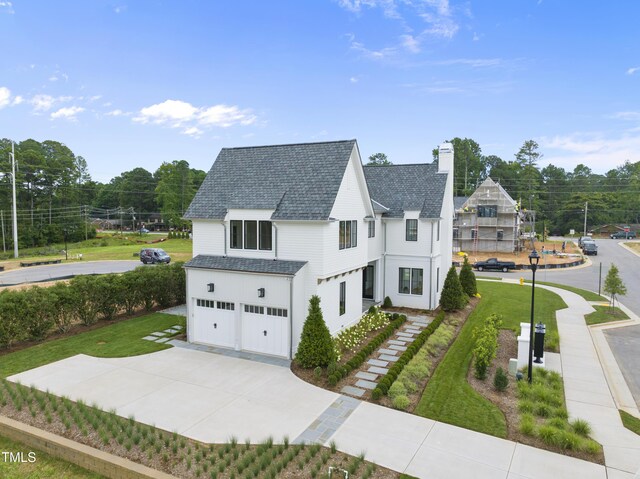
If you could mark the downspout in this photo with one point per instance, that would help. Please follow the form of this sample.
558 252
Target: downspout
276 241
224 225
291 278
384 261
431 269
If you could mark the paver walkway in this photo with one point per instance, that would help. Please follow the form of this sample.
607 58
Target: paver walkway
388 353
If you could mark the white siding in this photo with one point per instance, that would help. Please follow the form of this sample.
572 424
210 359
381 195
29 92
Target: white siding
397 240
329 292
375 245
424 301
208 237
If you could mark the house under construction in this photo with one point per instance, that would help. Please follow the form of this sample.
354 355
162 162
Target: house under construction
488 221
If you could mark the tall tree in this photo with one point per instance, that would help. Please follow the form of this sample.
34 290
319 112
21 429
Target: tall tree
177 185
138 190
379 159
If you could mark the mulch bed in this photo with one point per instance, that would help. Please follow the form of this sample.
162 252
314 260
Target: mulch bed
507 401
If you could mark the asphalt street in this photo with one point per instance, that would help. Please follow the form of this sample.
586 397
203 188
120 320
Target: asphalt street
34 274
625 344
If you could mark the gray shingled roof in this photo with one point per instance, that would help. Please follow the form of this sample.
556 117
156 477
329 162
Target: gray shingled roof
249 265
459 201
407 187
299 182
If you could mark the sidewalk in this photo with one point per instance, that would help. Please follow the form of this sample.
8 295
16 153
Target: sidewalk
589 391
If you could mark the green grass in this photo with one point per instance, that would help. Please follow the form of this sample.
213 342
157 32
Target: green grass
588 295
448 396
603 314
111 247
630 422
117 340
44 466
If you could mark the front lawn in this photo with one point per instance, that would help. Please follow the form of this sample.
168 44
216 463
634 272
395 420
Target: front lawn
604 314
120 339
630 422
588 295
44 466
448 396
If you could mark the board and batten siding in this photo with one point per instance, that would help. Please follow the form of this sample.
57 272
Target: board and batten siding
255 215
208 237
329 292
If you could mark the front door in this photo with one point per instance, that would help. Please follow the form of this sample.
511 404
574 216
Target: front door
367 281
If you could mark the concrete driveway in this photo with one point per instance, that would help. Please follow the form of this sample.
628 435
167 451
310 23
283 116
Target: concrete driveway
208 397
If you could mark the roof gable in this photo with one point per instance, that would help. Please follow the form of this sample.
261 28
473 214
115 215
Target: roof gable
299 182
403 188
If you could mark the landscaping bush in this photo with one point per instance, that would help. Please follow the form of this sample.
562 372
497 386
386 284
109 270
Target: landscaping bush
39 312
387 302
500 380
12 309
65 306
486 344
452 297
350 338
468 278
401 402
86 298
316 345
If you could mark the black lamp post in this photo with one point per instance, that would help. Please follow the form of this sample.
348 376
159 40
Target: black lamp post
534 259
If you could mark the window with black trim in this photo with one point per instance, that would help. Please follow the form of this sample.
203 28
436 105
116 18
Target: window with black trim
372 229
250 234
455 233
236 234
348 234
225 305
474 233
412 230
487 211
343 297
438 235
500 235
283 313
410 281
250 308
266 235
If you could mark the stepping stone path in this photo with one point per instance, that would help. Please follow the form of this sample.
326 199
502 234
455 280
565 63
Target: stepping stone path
164 336
320 430
384 357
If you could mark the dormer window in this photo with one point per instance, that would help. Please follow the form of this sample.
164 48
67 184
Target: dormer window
412 230
251 235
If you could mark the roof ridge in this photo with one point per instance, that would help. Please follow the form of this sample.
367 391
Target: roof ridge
288 144
398 164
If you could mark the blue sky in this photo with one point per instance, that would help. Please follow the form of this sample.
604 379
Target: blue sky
134 83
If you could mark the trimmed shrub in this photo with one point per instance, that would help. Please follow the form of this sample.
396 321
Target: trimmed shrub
387 302
452 297
468 278
87 298
65 306
316 345
486 344
39 312
12 313
401 402
500 380
376 394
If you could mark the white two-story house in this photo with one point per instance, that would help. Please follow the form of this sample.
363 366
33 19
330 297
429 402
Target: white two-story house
274 225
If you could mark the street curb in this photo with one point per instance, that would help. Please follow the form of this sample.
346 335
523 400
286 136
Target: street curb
630 250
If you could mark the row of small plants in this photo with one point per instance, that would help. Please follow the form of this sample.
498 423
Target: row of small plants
395 370
170 452
418 370
350 338
336 373
486 344
543 414
37 312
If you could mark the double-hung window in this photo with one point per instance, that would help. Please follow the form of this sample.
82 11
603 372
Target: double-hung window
348 234
410 281
372 229
343 297
236 234
266 235
412 230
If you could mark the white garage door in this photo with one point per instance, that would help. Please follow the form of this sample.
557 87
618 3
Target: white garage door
265 330
214 323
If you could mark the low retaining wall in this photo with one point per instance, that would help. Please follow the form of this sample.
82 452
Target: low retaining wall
84 456
540 266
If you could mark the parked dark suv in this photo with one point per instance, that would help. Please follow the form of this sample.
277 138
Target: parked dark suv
154 255
623 235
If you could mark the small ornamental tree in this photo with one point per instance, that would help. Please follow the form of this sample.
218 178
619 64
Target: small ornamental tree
613 285
316 345
468 279
452 297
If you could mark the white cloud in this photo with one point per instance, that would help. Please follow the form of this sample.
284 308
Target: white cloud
180 114
68 113
94 98
632 70
5 96
120 9
476 37
42 102
116 112
626 115
354 79
6 7
600 150
53 78
472 62
410 43
17 100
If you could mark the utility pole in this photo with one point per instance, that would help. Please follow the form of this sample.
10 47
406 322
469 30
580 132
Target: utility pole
15 213
586 207
86 220
4 245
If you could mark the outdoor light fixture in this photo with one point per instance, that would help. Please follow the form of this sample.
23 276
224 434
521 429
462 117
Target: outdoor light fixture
534 259
210 287
260 292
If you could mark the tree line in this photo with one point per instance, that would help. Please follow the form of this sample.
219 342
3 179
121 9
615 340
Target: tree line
56 195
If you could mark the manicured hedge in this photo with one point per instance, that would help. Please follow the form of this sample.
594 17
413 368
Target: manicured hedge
34 313
395 370
356 361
